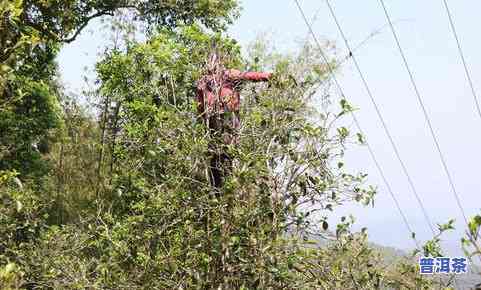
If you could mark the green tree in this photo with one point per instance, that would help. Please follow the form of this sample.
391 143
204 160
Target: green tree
31 33
129 205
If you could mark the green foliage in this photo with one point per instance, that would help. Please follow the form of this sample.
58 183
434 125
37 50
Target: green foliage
31 33
471 241
22 219
433 247
27 126
30 22
29 95
22 214
127 202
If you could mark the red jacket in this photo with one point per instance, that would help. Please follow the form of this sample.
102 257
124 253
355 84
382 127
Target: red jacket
226 86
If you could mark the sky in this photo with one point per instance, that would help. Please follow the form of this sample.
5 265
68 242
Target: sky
431 51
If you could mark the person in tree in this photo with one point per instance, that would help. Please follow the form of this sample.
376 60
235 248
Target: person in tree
218 104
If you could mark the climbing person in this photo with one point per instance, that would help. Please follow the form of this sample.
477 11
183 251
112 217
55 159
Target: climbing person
218 103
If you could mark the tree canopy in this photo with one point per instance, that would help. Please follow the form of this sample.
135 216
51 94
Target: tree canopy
119 197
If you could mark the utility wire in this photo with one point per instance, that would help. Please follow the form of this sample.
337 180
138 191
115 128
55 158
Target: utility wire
466 70
426 116
356 121
393 144
463 59
383 122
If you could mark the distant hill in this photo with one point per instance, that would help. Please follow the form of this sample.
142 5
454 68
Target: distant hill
390 255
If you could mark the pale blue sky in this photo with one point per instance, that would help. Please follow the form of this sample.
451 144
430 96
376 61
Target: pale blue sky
432 54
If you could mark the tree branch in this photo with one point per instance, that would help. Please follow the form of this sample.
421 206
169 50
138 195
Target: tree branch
85 23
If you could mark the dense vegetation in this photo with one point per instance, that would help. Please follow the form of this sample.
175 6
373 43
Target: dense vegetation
119 197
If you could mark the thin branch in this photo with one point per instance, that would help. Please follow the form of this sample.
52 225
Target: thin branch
85 23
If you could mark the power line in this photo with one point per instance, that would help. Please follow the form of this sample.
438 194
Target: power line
356 121
463 59
383 122
466 70
426 116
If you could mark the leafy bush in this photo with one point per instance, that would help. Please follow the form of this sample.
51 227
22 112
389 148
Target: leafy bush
127 202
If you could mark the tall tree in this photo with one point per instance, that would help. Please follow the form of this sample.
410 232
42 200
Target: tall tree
31 34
